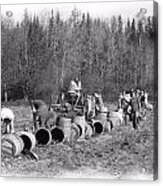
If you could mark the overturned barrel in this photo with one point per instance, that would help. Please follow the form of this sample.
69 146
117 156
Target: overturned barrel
80 120
43 136
57 134
98 126
11 145
29 140
89 131
107 124
64 123
76 132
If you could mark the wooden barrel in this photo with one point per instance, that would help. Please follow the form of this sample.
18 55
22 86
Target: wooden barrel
89 131
65 124
29 140
98 126
115 121
103 116
108 126
57 134
80 120
43 136
11 145
76 132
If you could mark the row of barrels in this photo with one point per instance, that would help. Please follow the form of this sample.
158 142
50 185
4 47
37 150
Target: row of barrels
66 130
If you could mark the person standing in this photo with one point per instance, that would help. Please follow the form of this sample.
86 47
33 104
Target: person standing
135 110
75 89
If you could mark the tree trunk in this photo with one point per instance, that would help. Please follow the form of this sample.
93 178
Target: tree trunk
5 93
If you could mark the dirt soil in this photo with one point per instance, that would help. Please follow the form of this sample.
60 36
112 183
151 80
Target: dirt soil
124 153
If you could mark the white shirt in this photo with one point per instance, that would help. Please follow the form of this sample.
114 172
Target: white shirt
74 86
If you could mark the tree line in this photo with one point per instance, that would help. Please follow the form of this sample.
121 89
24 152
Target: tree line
39 59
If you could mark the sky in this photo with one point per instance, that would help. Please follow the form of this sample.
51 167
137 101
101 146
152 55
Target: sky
101 10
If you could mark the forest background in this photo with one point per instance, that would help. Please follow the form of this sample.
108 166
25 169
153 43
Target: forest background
39 58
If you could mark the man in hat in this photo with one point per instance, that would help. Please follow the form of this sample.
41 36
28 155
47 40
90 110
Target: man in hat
75 89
